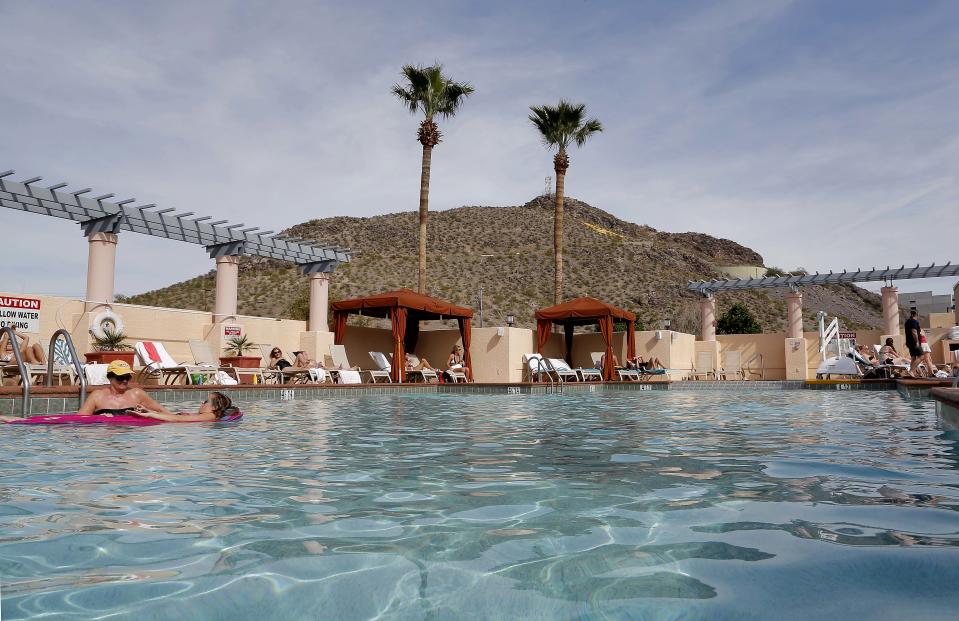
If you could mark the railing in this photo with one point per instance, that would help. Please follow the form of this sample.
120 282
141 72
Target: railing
24 373
74 361
747 368
540 368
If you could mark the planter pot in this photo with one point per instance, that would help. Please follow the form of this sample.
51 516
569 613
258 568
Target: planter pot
106 357
242 362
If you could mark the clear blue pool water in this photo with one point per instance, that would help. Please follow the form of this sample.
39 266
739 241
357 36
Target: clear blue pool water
664 505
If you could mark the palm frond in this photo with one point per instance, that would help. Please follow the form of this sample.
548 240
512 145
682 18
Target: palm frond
430 91
563 124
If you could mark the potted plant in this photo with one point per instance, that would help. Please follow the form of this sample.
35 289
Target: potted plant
235 346
109 347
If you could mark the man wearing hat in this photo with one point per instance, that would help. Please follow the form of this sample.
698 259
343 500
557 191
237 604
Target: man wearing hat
119 397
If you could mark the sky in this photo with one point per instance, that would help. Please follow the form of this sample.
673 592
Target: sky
821 134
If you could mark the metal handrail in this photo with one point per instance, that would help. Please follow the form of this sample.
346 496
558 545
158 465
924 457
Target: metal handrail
539 370
762 366
24 373
74 360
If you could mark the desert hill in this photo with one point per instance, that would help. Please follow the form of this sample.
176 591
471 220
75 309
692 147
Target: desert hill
507 251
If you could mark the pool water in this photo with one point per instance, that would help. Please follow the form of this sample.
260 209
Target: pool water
652 505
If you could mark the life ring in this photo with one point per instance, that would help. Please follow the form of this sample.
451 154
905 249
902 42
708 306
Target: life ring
103 321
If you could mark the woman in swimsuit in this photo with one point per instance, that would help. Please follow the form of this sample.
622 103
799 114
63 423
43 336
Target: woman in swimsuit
456 361
277 361
216 406
31 354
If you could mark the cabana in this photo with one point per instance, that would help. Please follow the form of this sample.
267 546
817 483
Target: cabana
405 309
585 311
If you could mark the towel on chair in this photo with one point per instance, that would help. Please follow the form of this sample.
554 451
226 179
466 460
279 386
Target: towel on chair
350 377
152 353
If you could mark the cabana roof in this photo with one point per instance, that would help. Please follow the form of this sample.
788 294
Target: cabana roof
583 310
423 306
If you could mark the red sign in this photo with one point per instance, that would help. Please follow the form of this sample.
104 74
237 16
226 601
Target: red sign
231 331
847 335
20 313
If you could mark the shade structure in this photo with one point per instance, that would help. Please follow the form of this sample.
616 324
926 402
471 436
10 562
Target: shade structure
405 309
587 311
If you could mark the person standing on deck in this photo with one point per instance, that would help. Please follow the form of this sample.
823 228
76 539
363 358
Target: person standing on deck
912 341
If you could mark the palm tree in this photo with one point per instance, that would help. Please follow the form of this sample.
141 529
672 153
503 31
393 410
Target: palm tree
560 126
429 91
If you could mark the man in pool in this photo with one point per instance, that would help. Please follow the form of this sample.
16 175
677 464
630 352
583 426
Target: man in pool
119 397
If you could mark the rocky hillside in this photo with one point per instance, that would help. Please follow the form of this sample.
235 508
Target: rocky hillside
507 252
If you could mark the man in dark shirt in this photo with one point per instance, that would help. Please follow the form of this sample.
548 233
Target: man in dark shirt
912 340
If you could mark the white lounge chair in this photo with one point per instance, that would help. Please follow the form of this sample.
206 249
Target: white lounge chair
732 366
158 363
204 358
536 368
342 363
457 375
563 370
383 363
704 366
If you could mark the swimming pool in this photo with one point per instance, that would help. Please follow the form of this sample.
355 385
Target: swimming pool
653 505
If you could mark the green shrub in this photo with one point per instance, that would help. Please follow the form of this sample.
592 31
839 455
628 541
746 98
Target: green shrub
738 320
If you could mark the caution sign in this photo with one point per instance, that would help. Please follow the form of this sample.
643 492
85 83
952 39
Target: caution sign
232 331
20 313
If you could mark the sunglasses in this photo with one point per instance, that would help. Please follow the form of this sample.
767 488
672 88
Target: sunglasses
122 378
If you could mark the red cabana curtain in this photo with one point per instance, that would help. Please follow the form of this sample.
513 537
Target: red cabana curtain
339 327
568 329
630 339
412 333
466 333
542 334
606 327
398 319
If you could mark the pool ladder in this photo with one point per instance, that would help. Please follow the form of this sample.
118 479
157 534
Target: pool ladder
543 368
25 372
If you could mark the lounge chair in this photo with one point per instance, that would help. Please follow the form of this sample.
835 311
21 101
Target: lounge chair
383 363
204 358
891 370
158 363
536 368
732 366
342 363
563 370
623 373
704 367
456 376
291 375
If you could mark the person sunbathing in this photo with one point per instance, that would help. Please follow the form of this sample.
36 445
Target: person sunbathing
216 407
638 362
302 361
889 355
277 361
417 364
30 354
866 354
456 362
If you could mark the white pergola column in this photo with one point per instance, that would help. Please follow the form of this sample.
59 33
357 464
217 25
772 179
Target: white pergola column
319 302
101 267
794 315
227 282
890 310
707 313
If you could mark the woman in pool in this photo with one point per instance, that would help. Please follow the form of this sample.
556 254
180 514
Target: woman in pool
119 397
456 362
216 406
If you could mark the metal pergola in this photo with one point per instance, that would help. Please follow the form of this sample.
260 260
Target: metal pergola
100 215
708 287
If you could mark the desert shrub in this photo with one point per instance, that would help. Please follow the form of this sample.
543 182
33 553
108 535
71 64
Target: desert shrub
738 320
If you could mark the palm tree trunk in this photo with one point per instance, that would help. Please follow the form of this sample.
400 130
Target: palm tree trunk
424 210
558 239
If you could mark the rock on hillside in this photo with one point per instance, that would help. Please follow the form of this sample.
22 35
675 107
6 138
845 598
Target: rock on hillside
507 252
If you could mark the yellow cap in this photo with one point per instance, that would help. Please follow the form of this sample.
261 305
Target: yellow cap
119 367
